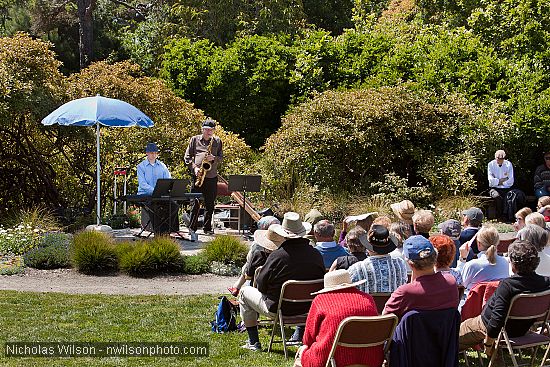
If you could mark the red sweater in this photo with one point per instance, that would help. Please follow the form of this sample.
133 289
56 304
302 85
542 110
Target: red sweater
326 313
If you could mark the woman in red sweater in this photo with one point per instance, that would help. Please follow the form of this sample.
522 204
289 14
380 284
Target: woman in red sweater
337 300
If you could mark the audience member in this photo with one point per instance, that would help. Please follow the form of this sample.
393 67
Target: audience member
312 217
355 247
423 221
336 301
543 201
404 211
400 231
427 290
520 218
486 327
471 221
488 266
264 244
452 229
446 249
542 177
329 249
294 259
383 220
536 219
538 237
363 221
383 273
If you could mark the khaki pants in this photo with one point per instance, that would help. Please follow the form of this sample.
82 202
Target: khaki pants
472 332
252 303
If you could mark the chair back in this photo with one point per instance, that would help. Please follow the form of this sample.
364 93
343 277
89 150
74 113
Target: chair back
364 332
426 338
380 300
299 291
530 306
476 299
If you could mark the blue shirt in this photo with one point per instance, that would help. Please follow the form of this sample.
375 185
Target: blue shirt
148 174
330 252
383 273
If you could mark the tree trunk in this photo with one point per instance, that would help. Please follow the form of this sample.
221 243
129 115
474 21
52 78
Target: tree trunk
86 31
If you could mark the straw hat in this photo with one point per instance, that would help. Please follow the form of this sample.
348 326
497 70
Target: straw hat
404 210
336 280
267 238
292 226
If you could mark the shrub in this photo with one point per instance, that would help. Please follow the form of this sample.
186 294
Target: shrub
10 265
55 238
227 250
160 255
93 252
52 252
18 240
196 264
453 206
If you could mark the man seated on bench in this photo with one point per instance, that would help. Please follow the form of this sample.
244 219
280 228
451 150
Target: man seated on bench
500 174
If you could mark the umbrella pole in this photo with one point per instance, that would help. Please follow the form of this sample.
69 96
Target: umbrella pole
98 213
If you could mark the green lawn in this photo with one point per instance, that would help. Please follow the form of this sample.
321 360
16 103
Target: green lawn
100 318
48 317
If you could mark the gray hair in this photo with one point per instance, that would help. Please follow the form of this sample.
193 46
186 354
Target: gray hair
536 219
535 235
324 229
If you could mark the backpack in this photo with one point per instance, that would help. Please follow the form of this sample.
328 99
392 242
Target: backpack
225 317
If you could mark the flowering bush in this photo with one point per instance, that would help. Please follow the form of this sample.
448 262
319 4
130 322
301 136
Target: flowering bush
10 265
18 240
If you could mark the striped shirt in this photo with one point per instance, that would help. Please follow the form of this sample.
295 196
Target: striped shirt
383 273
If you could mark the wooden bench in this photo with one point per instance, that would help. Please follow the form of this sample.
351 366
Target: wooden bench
489 207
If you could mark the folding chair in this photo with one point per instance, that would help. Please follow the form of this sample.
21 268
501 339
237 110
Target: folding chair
363 332
380 300
526 306
293 291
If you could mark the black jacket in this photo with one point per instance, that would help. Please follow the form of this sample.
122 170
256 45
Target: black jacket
296 259
496 309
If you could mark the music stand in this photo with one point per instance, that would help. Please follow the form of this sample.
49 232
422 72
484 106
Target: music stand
244 183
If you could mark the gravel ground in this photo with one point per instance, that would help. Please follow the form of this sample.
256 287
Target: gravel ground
72 282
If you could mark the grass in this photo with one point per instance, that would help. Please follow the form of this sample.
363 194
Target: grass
55 317
58 317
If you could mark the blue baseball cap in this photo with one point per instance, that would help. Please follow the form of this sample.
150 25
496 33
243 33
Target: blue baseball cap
417 248
151 148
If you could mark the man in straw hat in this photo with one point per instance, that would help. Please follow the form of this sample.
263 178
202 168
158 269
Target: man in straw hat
382 272
337 300
427 290
294 259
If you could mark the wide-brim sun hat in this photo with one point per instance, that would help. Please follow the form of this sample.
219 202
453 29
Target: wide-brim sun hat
337 280
292 226
379 240
268 239
404 210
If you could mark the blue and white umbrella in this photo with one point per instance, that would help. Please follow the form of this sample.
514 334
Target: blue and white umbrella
98 111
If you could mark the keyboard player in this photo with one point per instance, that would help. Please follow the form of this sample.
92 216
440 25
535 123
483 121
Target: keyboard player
148 172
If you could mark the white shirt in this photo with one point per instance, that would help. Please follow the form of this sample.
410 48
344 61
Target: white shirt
496 172
544 265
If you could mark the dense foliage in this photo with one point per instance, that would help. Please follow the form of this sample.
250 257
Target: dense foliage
284 75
